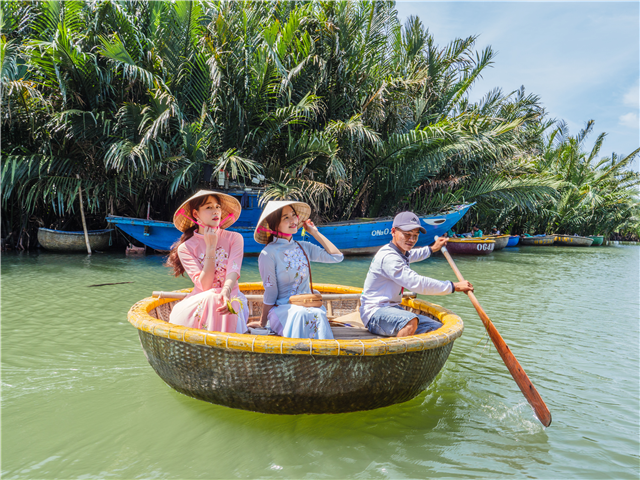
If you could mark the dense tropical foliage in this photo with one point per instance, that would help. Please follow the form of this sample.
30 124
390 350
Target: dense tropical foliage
336 103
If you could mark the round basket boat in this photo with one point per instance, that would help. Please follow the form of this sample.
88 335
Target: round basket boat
573 241
597 240
60 241
500 241
471 246
543 240
270 374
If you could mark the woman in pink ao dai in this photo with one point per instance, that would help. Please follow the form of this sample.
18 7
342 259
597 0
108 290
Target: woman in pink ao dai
212 257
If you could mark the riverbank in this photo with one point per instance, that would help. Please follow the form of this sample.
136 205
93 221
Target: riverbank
80 399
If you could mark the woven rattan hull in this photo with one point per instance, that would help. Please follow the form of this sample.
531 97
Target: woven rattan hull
471 246
573 241
294 376
292 384
597 240
59 241
500 241
537 241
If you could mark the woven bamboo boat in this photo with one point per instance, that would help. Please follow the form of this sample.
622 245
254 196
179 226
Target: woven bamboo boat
597 240
538 241
270 374
573 241
60 241
471 246
500 241
513 240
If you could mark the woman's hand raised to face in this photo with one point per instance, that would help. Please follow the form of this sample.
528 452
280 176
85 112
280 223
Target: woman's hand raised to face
310 227
211 236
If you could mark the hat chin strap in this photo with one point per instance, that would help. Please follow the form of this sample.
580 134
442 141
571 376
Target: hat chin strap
184 214
266 230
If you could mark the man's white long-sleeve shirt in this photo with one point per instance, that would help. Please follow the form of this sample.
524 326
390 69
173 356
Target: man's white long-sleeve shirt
389 273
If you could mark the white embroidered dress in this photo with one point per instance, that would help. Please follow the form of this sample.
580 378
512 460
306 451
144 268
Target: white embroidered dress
198 309
284 272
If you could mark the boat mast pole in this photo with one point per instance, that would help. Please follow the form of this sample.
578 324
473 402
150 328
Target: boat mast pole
517 372
84 223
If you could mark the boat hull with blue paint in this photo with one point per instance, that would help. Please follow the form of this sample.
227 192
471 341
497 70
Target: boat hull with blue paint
351 237
513 240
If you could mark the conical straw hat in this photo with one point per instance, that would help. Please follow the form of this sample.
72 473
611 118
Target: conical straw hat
302 209
230 210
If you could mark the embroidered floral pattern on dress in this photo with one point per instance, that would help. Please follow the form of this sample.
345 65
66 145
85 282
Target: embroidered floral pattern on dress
198 314
295 260
267 283
221 267
312 324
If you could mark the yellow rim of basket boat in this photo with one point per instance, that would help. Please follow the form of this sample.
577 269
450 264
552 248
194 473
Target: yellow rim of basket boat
472 240
451 329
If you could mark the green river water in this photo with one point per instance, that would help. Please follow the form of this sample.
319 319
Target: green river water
79 399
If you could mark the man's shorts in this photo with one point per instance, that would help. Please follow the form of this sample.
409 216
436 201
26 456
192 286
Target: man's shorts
388 321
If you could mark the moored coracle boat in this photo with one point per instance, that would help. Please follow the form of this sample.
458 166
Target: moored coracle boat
269 374
573 241
60 241
500 241
597 239
513 240
539 241
470 246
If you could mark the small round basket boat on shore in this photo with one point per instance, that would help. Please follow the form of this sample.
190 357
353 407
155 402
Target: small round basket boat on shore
471 246
271 374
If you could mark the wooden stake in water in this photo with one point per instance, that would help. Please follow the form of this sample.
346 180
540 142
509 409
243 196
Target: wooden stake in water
517 372
84 223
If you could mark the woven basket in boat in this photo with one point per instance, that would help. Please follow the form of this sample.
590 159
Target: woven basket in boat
293 376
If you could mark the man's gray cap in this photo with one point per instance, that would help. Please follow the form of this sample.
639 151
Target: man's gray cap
406 221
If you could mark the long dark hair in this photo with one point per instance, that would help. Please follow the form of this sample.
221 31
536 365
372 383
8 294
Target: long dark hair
273 222
173 261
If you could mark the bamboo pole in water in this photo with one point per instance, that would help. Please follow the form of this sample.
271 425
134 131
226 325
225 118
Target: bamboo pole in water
84 222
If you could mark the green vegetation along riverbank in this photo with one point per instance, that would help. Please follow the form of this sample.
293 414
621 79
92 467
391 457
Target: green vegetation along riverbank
336 103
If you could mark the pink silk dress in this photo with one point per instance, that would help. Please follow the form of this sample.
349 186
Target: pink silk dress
198 309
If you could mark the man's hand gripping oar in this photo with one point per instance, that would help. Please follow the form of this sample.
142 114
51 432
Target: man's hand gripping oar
517 372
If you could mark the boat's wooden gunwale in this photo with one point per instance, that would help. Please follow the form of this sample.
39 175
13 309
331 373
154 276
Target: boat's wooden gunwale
452 328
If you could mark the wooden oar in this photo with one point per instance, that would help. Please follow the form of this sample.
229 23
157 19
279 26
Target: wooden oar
517 372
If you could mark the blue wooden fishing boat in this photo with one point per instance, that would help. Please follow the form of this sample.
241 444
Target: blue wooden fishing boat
353 237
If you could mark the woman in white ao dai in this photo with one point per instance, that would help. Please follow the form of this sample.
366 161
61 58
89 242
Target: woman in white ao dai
284 270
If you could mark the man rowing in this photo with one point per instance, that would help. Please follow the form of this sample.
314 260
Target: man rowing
388 276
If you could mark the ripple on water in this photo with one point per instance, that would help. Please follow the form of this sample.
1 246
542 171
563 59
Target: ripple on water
80 400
